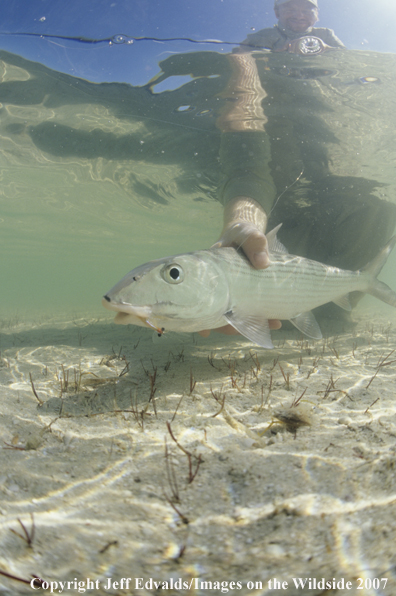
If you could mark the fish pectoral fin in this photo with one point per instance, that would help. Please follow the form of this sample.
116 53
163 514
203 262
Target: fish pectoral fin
307 324
252 327
343 302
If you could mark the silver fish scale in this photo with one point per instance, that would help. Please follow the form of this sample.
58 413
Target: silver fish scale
289 286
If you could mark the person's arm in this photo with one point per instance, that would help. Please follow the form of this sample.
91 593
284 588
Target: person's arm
244 227
248 191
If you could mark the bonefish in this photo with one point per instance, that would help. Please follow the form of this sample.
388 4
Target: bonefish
206 289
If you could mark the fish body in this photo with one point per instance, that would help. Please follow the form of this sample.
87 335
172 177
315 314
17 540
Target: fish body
210 288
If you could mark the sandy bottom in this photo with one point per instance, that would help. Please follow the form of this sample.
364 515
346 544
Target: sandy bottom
204 461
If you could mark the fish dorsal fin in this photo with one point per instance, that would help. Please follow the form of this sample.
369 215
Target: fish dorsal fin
343 302
273 243
252 327
307 324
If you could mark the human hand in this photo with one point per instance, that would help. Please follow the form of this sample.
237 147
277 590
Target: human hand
250 238
244 226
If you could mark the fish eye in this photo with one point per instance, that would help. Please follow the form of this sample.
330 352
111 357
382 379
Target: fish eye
173 273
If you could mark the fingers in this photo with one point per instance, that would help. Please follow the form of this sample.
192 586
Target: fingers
204 333
252 241
256 249
225 330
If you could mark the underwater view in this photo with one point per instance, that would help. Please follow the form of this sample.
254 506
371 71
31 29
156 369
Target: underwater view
222 420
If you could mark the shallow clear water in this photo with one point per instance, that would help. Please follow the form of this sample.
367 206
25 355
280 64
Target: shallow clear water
71 219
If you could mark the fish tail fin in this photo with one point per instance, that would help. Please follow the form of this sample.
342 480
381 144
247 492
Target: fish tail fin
382 292
377 288
374 267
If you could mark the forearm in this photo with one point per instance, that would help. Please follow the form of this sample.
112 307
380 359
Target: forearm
245 167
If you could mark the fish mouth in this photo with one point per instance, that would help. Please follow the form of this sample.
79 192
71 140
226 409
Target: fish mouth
129 314
125 308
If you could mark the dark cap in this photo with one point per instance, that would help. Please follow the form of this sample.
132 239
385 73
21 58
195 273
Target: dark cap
279 2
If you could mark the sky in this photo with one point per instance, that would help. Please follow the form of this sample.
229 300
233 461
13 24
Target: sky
361 24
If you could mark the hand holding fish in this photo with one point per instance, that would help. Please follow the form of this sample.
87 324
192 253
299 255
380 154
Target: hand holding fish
244 225
248 237
245 222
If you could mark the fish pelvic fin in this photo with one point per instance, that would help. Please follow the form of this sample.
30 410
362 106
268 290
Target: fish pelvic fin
377 288
343 302
252 327
307 324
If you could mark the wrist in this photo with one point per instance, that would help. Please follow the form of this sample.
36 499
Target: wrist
244 209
